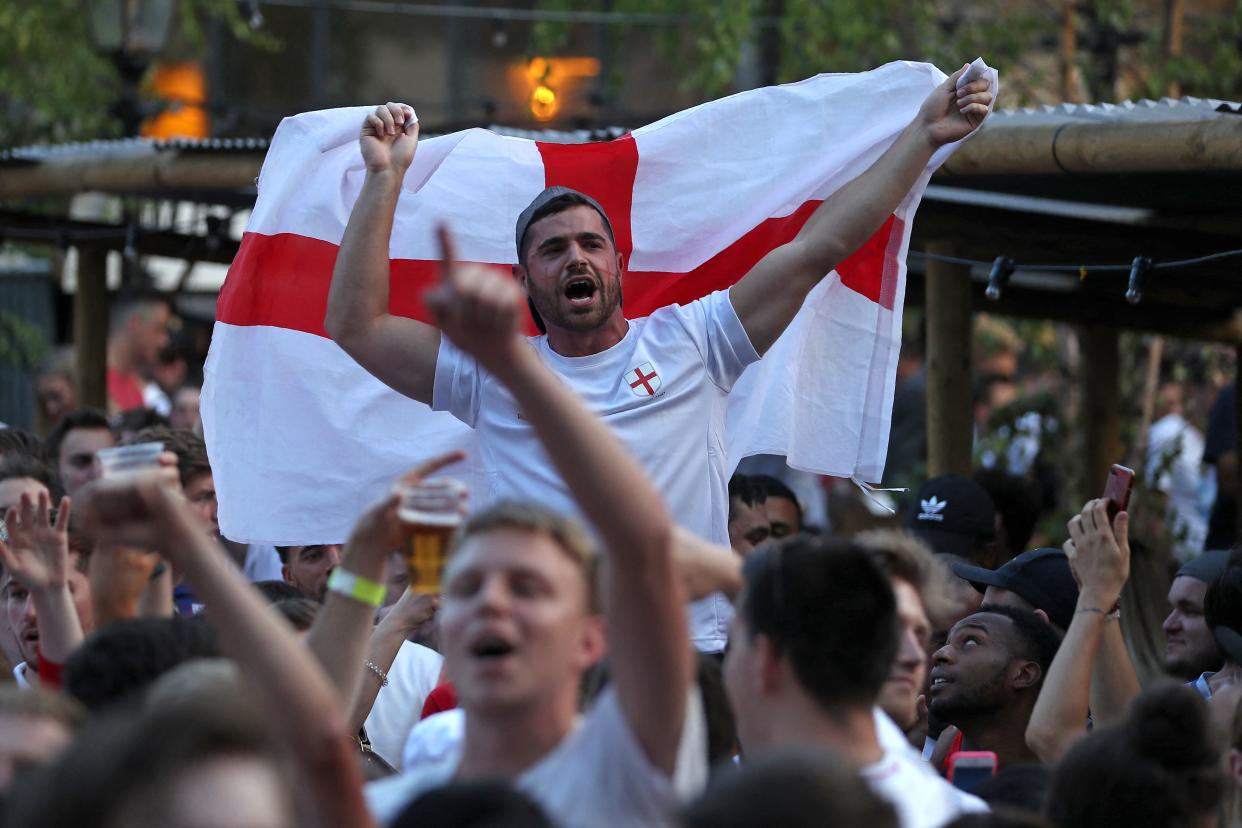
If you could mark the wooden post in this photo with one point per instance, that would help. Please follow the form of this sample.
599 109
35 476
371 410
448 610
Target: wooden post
1101 395
1174 28
1069 51
90 327
1237 425
950 430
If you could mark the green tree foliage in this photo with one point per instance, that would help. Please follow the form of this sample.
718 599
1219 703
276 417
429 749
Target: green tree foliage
54 87
1120 43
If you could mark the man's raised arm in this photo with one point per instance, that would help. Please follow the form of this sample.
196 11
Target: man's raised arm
651 664
767 298
400 352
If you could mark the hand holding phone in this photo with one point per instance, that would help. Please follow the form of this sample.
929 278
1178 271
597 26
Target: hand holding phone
1117 489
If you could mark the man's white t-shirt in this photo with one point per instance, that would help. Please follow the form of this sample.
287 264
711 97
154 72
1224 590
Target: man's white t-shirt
662 389
598 775
922 798
414 673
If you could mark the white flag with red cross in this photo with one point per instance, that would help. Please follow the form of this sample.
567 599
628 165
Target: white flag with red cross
301 438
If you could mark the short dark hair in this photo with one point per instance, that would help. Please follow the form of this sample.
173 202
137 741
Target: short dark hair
747 489
16 466
1036 638
124 764
86 418
190 449
794 789
19 441
1157 767
276 591
557 205
122 659
775 487
1018 502
472 804
299 612
824 604
1222 604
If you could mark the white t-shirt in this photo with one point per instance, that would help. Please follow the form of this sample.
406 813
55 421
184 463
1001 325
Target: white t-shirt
922 798
1175 450
662 389
598 775
262 563
414 673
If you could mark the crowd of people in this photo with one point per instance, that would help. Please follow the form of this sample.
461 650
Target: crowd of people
619 639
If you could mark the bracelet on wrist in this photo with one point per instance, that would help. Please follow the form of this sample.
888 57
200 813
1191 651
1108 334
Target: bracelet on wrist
379 672
361 589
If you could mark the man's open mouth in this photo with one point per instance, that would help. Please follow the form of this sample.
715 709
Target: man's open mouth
580 291
490 647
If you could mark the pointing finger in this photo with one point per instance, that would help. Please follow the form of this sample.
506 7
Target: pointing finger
448 253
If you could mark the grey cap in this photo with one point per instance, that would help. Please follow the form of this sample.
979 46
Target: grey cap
543 198
1207 567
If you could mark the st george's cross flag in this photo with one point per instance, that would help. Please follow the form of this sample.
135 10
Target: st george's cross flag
301 438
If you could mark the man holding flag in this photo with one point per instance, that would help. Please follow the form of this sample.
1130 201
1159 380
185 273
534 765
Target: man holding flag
660 382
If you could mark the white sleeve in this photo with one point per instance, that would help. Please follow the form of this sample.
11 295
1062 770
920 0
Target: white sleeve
718 333
396 709
457 383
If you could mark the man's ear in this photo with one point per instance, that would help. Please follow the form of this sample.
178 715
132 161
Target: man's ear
620 262
1028 674
1043 616
594 642
284 573
769 665
519 273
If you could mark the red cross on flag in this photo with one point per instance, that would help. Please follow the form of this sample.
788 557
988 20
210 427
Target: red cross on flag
643 380
301 438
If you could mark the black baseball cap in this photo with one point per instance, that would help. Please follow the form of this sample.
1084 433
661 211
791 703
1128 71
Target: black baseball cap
523 222
1207 567
1041 577
953 515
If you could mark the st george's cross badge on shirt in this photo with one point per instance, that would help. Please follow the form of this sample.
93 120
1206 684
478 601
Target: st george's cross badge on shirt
643 380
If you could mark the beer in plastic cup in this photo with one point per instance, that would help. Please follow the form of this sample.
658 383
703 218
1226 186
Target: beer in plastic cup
432 510
130 459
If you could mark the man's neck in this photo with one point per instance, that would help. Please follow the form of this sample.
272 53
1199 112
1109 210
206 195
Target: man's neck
121 360
1003 733
850 731
569 343
1229 673
508 743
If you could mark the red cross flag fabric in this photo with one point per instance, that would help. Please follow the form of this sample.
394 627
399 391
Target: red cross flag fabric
301 438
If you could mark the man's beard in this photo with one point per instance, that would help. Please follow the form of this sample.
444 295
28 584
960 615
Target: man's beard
552 305
967 704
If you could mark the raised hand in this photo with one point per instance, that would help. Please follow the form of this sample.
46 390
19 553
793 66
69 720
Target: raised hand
138 511
379 531
950 114
389 138
476 307
37 553
1099 552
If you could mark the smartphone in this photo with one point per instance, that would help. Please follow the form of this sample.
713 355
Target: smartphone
968 769
1117 490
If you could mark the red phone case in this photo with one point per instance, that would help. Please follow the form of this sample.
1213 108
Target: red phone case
1117 490
972 760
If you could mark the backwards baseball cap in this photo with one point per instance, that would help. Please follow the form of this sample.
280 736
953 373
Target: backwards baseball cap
1041 577
1207 567
952 514
523 222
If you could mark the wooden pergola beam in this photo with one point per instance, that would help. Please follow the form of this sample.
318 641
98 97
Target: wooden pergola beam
1066 148
160 171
